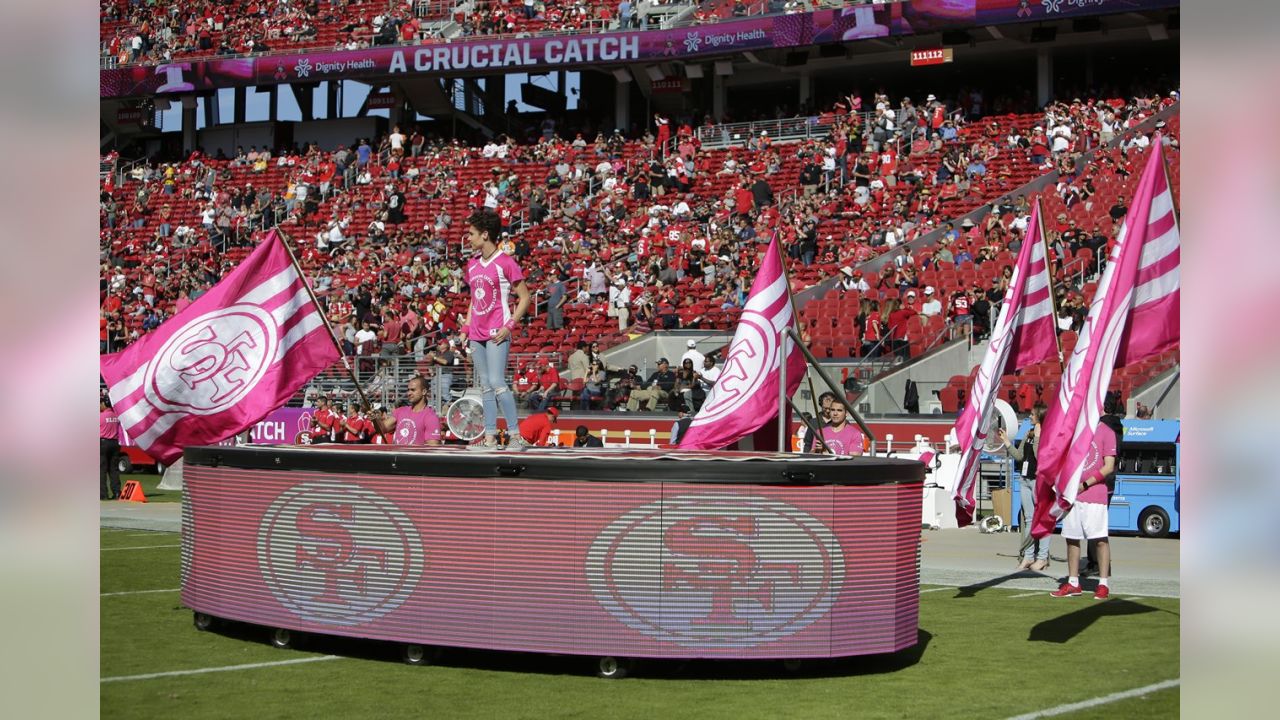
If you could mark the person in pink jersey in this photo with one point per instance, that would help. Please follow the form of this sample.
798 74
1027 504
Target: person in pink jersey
841 436
1088 518
415 423
492 276
108 451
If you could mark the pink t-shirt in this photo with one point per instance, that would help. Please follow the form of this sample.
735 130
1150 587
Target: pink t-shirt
416 428
108 425
1103 445
491 282
846 441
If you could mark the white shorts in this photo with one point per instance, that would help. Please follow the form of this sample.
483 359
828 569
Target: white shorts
1086 521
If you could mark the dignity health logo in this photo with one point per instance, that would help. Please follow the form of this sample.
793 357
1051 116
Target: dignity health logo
1053 7
715 571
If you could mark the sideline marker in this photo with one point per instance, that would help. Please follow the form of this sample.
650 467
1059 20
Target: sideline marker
132 492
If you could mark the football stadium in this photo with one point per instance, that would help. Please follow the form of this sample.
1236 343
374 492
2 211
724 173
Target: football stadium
572 358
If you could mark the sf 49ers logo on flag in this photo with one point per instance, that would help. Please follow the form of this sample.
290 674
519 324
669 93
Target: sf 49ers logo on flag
734 571
753 357
213 361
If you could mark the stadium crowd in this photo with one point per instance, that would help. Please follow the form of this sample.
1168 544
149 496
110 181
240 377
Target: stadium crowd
619 236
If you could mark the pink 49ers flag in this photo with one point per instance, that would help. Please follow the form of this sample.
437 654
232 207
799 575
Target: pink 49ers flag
233 355
1024 334
746 395
1134 315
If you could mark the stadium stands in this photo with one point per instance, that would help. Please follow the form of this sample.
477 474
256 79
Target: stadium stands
562 198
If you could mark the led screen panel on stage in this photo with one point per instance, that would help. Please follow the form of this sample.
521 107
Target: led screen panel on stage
587 566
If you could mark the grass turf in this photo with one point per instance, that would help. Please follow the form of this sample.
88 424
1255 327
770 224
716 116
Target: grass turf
982 653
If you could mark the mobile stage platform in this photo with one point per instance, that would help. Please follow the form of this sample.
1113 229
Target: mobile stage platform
617 554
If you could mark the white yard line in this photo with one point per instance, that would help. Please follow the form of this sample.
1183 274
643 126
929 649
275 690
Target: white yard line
226 668
140 547
938 589
1037 592
138 592
1103 700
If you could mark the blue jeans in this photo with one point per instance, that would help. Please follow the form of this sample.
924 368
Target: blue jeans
490 360
1038 549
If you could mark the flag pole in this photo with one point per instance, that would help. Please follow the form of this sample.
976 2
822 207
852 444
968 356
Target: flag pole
1048 269
285 240
795 324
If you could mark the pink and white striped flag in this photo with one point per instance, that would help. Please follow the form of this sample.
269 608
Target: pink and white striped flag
746 395
233 355
1133 315
1024 334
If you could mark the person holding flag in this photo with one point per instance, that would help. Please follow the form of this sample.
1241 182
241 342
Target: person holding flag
839 435
1134 315
492 276
415 423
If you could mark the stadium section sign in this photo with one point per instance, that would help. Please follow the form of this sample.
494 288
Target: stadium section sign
487 55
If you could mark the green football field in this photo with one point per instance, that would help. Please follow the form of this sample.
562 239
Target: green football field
983 652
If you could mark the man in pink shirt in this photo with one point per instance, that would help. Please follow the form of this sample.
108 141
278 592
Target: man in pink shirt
415 423
492 276
108 451
841 436
1088 518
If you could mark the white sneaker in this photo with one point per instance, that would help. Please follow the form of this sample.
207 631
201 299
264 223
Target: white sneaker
518 443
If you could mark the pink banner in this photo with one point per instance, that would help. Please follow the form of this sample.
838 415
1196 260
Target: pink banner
1024 334
746 395
229 358
1133 315
487 55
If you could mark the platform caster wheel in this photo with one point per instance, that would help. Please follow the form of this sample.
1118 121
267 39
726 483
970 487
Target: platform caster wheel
418 654
612 668
203 621
283 639
793 666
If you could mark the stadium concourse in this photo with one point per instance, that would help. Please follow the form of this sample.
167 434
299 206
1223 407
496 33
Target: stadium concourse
380 228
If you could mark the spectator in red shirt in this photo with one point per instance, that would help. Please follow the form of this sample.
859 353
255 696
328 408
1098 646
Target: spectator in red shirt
526 382
961 316
356 428
536 429
322 422
548 387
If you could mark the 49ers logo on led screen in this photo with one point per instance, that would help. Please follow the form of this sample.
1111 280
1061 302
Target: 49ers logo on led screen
337 553
734 571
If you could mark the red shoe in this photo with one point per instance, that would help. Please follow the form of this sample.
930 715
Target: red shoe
1067 590
1102 593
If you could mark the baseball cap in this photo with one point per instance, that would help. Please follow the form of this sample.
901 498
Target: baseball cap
692 343
847 271
554 412
663 361
928 290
